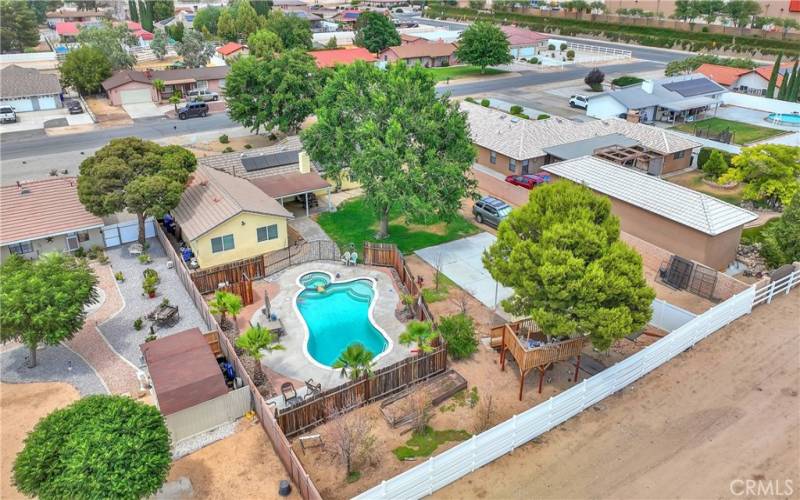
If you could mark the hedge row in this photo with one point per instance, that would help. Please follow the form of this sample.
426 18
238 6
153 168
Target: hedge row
705 154
649 36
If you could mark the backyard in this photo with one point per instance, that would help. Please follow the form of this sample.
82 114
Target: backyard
354 222
743 133
694 180
455 72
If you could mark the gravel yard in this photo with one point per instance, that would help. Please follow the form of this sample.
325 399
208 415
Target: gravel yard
119 329
54 364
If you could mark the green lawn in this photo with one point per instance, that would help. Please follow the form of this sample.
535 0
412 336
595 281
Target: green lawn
356 223
694 180
455 72
422 444
744 133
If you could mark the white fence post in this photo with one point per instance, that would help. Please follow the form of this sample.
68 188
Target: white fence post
474 442
513 433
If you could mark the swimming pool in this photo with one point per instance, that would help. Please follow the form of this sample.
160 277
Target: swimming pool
790 119
337 315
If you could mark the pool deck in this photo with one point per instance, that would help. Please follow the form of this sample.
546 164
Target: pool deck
293 362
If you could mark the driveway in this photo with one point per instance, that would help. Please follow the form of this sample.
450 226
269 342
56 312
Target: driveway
35 120
460 260
142 110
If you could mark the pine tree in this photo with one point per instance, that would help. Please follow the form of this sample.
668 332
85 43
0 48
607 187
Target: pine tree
773 78
791 94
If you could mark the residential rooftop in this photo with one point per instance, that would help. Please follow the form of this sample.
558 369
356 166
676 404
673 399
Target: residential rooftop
683 205
332 57
16 81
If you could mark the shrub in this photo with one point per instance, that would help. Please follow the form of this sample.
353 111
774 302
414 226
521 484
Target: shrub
224 139
551 47
563 46
594 79
458 331
543 117
515 109
716 165
151 273
523 115
570 54
533 60
144 258
119 276
79 252
470 99
228 150
137 324
149 285
248 146
626 80
97 447
485 103
102 259
705 154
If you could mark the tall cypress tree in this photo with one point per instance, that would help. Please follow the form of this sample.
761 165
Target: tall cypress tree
791 94
773 78
146 14
786 83
134 12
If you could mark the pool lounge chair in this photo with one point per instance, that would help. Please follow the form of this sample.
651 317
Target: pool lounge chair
289 394
346 258
353 258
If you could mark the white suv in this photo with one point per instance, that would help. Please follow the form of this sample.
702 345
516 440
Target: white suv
202 95
579 101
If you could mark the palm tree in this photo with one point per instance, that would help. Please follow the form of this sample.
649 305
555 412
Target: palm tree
175 99
355 361
159 86
255 340
225 303
421 333
233 303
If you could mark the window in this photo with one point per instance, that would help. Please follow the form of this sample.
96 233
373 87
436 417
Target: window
21 248
678 155
222 243
83 237
525 164
202 85
512 165
492 157
267 232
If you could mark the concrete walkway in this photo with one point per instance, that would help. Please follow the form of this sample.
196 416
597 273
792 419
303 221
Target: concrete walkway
118 374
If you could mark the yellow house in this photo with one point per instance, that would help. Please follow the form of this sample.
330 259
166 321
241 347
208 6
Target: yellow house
225 218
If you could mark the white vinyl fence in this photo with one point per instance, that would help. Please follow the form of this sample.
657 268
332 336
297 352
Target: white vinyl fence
210 414
483 448
765 294
669 317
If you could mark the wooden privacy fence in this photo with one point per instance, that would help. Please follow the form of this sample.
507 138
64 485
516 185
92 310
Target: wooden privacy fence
387 255
280 444
385 381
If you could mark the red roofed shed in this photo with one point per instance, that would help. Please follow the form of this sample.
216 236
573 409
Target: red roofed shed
183 370
330 58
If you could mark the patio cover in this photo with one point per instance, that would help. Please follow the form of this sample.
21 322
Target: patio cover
183 370
291 184
689 103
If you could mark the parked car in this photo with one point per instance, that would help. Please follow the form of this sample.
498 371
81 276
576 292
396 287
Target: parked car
7 114
193 109
74 107
490 210
202 95
579 101
526 181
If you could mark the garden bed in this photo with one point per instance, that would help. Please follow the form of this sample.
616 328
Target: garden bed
455 72
694 180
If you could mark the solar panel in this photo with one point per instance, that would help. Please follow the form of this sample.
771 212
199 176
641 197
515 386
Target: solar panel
689 88
253 163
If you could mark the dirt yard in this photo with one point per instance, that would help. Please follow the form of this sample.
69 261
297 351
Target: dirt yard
21 407
240 466
211 148
729 406
106 114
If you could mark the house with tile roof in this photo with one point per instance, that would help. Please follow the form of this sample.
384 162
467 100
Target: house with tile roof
745 81
688 223
332 57
429 55
232 50
224 218
44 216
523 42
513 145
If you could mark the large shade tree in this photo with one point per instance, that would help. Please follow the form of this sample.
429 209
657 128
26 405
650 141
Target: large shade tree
194 50
43 301
111 40
206 19
276 92
562 256
264 43
781 243
135 175
483 44
375 32
98 447
18 28
84 69
294 32
408 147
769 172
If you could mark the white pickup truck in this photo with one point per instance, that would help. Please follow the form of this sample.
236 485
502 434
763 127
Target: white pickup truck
7 114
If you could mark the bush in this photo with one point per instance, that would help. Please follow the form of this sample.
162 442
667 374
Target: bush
515 110
152 274
570 54
594 79
458 331
543 117
551 47
485 103
705 153
97 447
119 276
228 150
563 46
223 139
144 258
137 324
533 60
470 99
716 165
626 80
248 146
79 252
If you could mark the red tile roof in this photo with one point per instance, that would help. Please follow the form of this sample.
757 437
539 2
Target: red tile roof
133 25
724 75
328 58
766 73
39 209
67 29
522 36
143 34
229 48
417 50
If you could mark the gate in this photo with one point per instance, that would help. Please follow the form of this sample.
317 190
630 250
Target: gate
703 281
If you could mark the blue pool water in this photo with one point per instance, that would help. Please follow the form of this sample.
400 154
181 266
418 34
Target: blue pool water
790 119
337 316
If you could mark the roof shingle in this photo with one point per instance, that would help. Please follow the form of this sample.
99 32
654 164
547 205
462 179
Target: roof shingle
16 81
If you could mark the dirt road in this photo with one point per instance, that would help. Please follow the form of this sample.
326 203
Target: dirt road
726 410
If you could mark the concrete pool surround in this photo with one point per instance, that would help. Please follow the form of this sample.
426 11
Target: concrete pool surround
336 280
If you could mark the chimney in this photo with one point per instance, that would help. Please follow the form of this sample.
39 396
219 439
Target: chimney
305 162
647 86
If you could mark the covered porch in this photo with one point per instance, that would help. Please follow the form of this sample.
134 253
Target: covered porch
688 110
297 191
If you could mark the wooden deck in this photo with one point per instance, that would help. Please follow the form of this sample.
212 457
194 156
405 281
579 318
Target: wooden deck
396 409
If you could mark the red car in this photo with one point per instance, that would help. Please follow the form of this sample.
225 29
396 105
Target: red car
526 181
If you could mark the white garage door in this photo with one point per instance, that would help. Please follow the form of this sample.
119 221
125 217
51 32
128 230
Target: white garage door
47 103
135 96
19 105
